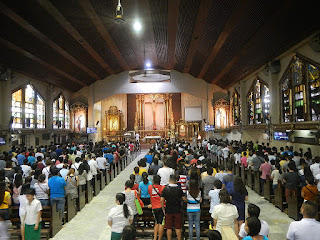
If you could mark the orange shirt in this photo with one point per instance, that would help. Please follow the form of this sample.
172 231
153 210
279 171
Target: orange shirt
310 195
154 196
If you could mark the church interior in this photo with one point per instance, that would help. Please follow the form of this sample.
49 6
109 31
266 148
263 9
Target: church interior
102 71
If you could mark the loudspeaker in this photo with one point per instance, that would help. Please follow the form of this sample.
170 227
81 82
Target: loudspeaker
97 123
315 45
275 66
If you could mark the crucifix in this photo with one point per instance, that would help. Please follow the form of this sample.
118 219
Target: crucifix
153 103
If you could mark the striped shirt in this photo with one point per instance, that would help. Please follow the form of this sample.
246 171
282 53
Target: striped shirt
193 204
183 183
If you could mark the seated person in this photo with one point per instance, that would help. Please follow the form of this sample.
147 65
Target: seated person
253 227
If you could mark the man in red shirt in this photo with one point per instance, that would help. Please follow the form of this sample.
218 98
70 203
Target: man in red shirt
155 191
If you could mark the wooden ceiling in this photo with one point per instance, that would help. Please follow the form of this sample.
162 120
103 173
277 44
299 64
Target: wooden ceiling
73 43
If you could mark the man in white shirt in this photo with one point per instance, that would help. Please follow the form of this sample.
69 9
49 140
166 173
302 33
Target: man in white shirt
39 154
225 151
76 165
102 162
93 166
165 173
315 168
254 211
26 169
308 228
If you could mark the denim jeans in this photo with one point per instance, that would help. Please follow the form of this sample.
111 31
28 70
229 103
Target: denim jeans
60 203
44 202
194 217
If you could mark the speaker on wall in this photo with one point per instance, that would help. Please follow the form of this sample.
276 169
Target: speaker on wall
275 66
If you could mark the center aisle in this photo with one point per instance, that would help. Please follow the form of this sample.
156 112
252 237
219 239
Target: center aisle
91 222
278 221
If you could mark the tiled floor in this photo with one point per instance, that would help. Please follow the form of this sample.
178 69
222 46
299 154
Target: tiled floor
91 222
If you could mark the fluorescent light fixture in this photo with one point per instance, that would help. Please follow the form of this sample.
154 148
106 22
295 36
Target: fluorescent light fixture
137 26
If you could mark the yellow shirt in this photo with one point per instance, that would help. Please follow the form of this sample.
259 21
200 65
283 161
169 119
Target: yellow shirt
205 174
141 170
282 162
5 204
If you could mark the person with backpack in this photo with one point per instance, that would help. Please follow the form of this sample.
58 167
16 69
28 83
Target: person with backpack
172 196
155 191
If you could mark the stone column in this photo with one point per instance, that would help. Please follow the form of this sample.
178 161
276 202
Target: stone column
49 108
244 104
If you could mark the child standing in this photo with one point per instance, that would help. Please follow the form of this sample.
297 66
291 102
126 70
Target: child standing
30 227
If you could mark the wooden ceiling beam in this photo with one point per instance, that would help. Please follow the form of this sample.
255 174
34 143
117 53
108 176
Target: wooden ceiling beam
35 32
173 17
55 13
268 26
95 19
40 61
204 9
232 22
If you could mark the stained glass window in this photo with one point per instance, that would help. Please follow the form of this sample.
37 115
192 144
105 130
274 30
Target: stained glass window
236 108
28 108
301 91
314 89
258 103
17 109
61 113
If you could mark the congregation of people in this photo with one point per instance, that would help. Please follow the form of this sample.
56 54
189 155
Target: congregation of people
32 179
176 177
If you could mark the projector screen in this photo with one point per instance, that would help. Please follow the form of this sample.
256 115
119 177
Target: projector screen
192 114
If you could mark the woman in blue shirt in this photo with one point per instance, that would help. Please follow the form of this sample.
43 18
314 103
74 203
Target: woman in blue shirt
143 189
252 227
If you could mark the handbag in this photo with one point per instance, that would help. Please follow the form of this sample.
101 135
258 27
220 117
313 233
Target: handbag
139 203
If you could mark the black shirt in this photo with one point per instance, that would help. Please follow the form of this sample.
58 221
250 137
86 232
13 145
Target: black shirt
173 196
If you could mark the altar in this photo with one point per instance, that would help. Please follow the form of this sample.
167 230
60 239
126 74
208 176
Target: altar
152 139
154 116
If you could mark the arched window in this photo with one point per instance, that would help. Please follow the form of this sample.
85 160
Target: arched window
28 108
61 113
300 91
258 102
236 108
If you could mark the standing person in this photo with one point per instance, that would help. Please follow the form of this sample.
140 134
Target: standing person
30 227
102 163
214 196
143 189
228 179
291 180
173 196
72 184
239 195
119 217
42 190
225 214
243 160
193 208
17 185
310 192
265 168
207 183
130 198
308 228
252 227
5 201
165 172
57 190
155 191
82 176
276 176
4 228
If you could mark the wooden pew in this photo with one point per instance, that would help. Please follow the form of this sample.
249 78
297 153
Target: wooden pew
279 196
70 208
267 188
15 220
256 175
238 173
89 191
56 220
96 185
112 174
102 178
294 203
250 178
81 200
243 174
